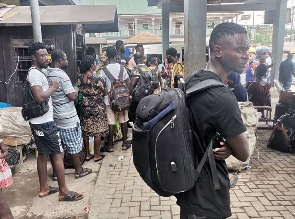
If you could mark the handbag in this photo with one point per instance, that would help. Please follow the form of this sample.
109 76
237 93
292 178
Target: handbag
281 139
31 108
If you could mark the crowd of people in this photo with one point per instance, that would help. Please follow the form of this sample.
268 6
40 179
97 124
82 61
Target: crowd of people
86 109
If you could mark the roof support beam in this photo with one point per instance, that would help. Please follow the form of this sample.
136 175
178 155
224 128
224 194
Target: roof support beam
194 36
271 5
278 37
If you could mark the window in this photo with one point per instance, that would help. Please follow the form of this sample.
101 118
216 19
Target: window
145 26
160 27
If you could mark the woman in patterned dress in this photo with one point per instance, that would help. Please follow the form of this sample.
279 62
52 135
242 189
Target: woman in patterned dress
5 181
93 110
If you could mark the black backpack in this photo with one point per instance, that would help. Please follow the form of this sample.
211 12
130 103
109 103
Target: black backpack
164 140
144 86
32 109
155 78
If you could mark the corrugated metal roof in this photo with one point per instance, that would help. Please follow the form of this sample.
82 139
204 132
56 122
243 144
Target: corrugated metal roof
126 6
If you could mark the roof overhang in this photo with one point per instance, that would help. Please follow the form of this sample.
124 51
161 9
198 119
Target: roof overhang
222 5
96 18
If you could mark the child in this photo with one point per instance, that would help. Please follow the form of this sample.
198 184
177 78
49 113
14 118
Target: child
5 181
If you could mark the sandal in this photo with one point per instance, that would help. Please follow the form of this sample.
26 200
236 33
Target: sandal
51 191
99 159
108 149
71 196
89 158
83 172
126 146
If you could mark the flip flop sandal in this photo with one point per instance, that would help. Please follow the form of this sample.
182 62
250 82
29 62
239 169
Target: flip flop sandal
83 172
71 197
51 191
96 160
109 149
126 146
91 157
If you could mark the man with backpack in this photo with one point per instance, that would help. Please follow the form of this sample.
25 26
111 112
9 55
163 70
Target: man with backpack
44 129
118 99
65 114
141 84
176 67
216 110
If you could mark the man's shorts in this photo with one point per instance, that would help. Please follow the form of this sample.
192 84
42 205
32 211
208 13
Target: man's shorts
47 138
71 139
122 116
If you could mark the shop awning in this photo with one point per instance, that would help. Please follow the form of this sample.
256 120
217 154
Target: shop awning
96 18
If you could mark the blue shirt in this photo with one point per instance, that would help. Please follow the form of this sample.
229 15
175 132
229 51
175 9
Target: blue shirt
249 77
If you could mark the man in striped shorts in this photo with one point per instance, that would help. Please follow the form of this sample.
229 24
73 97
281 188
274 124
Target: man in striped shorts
65 114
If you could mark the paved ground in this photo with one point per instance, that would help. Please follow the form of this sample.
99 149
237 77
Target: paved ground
117 191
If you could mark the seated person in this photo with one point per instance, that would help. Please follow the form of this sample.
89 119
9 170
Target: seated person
234 83
258 91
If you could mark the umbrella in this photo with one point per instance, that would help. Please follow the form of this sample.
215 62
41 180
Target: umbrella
292 51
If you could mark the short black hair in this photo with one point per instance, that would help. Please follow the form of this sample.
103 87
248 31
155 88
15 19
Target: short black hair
154 60
86 63
138 46
138 57
35 46
56 55
224 30
119 43
171 51
261 71
90 51
111 52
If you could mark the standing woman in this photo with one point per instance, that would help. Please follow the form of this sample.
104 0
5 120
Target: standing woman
93 110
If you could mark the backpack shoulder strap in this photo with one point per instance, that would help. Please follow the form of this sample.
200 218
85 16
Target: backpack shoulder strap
121 72
203 85
108 73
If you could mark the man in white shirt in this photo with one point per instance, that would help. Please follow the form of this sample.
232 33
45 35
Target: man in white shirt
44 129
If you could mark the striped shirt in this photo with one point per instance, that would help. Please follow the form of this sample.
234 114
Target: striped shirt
64 111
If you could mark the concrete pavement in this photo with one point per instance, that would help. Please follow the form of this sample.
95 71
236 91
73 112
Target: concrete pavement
115 190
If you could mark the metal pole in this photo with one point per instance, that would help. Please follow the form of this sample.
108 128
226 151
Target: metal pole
35 15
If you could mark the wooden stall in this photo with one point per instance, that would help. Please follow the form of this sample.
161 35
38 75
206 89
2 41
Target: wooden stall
63 27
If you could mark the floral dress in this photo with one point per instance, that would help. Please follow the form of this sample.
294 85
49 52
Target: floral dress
93 115
5 174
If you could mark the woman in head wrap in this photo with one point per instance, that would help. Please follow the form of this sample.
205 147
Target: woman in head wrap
234 83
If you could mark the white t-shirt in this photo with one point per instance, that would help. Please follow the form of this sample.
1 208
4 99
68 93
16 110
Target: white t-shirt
37 78
114 69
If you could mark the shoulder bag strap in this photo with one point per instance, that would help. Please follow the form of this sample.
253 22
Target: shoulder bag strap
121 72
108 74
203 85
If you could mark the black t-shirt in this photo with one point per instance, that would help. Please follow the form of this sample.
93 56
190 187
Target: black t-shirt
214 110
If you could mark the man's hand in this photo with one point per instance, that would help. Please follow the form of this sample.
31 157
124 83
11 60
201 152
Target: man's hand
222 152
54 85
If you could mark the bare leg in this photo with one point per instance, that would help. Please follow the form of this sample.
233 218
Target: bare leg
86 145
42 173
97 141
5 212
58 165
124 129
53 171
111 136
76 161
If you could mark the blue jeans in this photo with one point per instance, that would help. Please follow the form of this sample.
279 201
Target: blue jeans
287 85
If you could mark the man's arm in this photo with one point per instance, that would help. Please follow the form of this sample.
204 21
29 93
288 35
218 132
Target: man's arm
239 146
41 96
